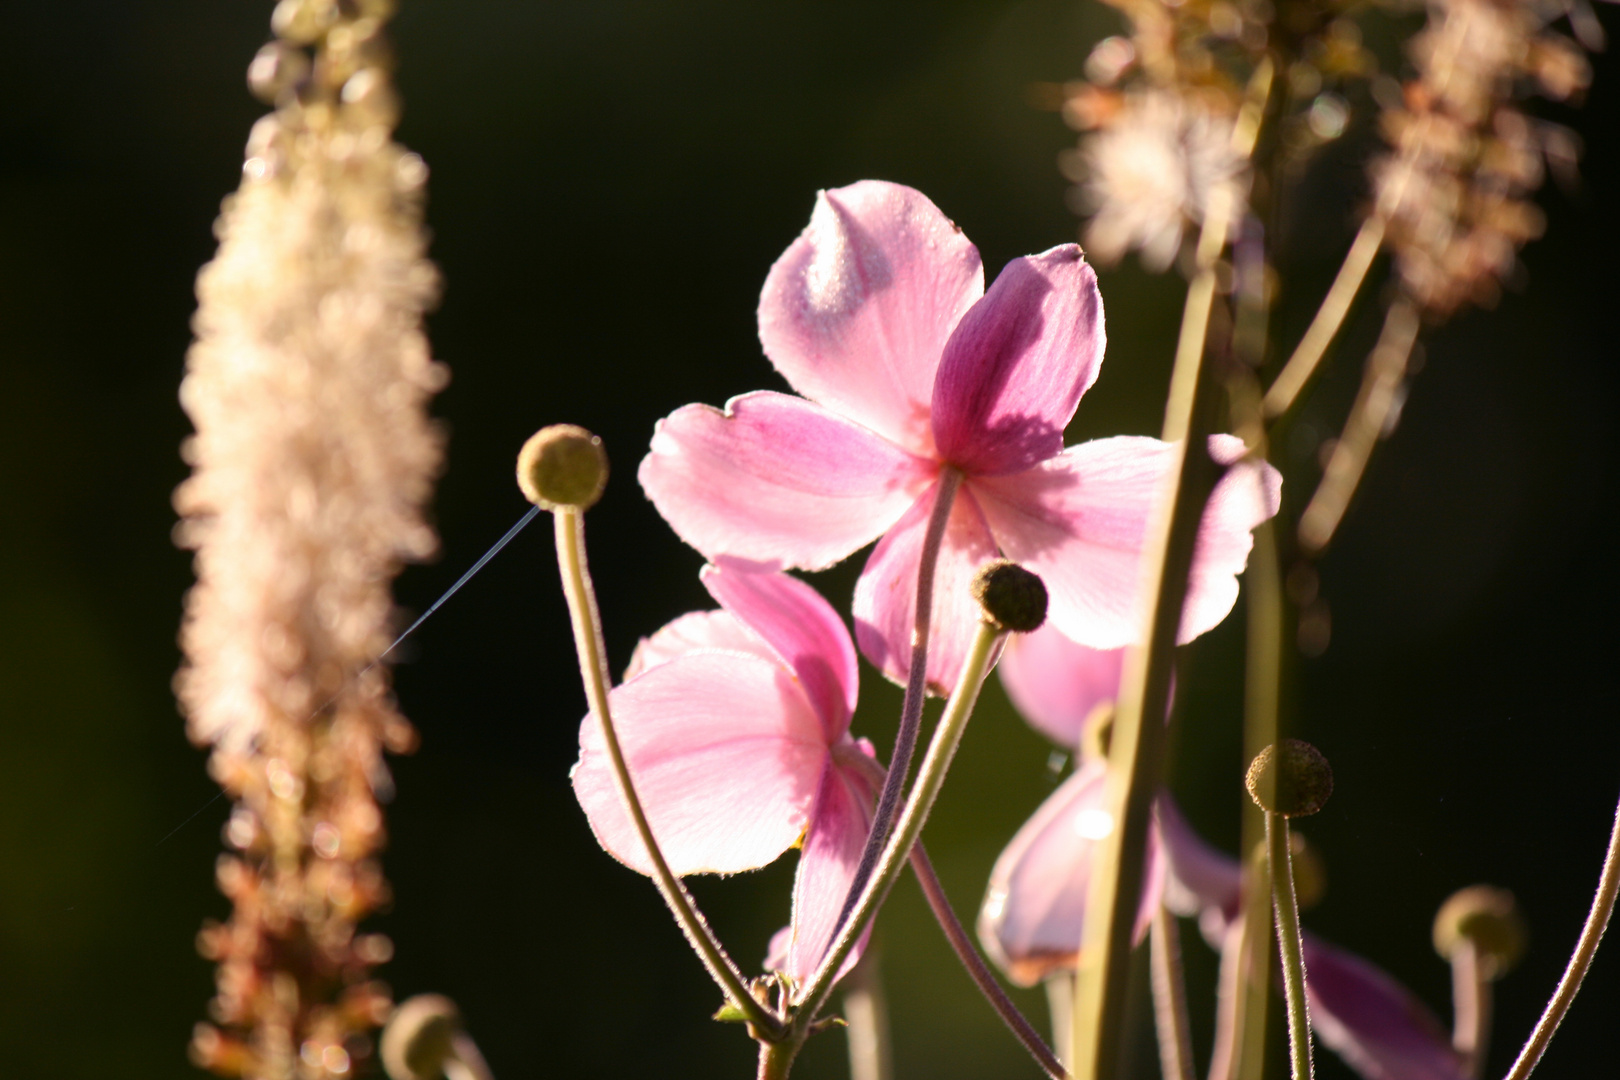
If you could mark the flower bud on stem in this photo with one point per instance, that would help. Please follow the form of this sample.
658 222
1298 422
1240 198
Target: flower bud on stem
566 469
1479 931
1290 779
424 1040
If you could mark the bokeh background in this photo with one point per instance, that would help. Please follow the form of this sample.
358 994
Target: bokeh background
611 180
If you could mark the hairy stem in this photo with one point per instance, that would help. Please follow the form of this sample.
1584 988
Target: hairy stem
587 622
1170 999
1329 318
1289 946
905 740
918 805
1597 920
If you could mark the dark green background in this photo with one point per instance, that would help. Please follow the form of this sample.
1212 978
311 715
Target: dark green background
611 181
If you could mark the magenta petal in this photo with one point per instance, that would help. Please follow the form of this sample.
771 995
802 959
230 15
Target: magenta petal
1057 684
1080 520
1020 359
1035 905
709 630
856 312
777 480
1200 879
832 851
885 595
725 753
1378 1026
802 628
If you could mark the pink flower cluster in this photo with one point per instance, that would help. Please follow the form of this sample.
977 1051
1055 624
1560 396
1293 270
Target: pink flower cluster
735 722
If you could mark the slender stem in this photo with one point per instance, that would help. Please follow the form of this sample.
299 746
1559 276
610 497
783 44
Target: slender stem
918 805
1597 920
980 972
1170 999
905 740
1380 386
1229 1002
1471 1006
1329 318
1060 1003
866 1012
465 1061
1289 946
587 622
776 1058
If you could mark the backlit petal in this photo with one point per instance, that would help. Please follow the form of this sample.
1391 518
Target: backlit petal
1080 521
777 480
885 596
832 851
696 630
1017 364
1035 905
856 312
1058 684
725 753
1374 1023
804 631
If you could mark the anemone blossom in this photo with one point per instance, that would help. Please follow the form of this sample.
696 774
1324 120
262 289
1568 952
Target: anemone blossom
877 315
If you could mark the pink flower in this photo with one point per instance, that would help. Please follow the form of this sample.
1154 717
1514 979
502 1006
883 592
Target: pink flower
877 315
1034 909
735 726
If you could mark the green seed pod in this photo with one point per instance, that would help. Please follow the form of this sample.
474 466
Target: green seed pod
420 1038
1012 598
562 465
1290 778
1488 917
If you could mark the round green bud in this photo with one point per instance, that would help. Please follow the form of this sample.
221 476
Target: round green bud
420 1037
1488 917
1012 598
562 465
1290 778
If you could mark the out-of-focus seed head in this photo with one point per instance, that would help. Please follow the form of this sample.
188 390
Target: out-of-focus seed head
1291 778
562 465
1013 598
1488 917
420 1038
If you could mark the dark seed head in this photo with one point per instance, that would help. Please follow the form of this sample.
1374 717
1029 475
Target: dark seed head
1290 778
1012 598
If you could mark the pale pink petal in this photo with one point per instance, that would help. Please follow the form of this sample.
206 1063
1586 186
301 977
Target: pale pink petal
725 753
856 312
1015 368
1035 905
709 630
1058 684
1201 881
777 480
885 596
802 628
832 851
1378 1026
1080 520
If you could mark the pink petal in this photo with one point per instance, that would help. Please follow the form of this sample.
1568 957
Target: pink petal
804 631
708 630
1057 684
856 312
777 480
832 851
1015 368
885 596
725 753
1201 881
1380 1029
1035 905
1080 519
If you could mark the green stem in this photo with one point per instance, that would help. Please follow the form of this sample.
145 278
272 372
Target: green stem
1170 998
1597 920
905 739
918 805
1289 946
587 623
1136 754
776 1058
